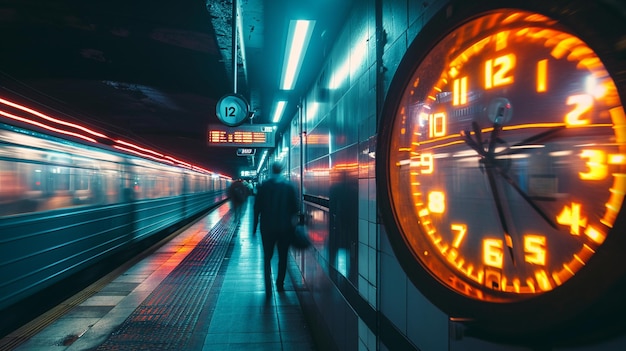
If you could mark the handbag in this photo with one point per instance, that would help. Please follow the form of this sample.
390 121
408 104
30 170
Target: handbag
300 238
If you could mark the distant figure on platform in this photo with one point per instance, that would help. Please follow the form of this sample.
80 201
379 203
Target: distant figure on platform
237 193
276 208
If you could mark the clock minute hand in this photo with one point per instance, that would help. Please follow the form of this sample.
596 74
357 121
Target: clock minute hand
496 198
523 194
489 162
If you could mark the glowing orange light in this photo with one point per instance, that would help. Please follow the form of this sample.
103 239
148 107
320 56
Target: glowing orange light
596 163
571 216
436 202
542 280
317 139
582 104
502 40
498 71
459 92
425 162
619 120
542 76
595 235
437 124
617 159
493 254
459 230
535 249
530 284
345 166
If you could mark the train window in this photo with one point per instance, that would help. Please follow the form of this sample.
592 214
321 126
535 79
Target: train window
13 199
138 187
35 177
177 185
10 183
155 183
193 183
81 179
59 178
111 186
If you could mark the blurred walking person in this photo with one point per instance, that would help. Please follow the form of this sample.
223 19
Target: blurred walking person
275 209
237 193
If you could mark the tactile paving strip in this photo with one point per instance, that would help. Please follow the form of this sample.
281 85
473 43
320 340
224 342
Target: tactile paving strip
167 317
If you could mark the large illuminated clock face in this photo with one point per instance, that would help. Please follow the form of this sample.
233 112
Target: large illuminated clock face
504 160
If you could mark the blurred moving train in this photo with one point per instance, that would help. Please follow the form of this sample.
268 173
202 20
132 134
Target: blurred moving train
66 206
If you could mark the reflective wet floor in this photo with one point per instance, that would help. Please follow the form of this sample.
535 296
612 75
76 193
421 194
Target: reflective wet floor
202 290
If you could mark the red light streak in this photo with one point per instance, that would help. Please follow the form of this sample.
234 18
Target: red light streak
26 120
182 163
46 117
139 148
143 152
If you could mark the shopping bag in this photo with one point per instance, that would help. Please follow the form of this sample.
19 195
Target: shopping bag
300 238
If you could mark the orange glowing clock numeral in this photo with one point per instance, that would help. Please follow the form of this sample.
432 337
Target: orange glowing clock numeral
535 249
426 162
571 216
459 230
459 91
493 254
596 165
498 71
582 104
437 124
436 202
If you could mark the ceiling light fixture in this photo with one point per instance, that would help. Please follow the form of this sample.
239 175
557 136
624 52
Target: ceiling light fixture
297 42
279 108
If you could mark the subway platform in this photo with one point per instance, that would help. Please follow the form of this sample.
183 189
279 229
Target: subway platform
201 290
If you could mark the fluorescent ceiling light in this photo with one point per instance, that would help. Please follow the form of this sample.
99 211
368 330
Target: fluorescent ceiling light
278 111
242 47
258 170
297 42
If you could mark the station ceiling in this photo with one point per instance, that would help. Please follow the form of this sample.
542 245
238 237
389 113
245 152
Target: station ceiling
152 71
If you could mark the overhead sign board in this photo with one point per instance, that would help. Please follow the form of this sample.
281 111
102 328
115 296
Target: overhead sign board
247 135
248 174
246 151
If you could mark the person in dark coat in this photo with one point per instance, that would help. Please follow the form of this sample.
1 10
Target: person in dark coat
237 193
276 209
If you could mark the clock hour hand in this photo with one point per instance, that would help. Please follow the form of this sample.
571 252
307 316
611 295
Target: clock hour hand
476 145
523 194
471 143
